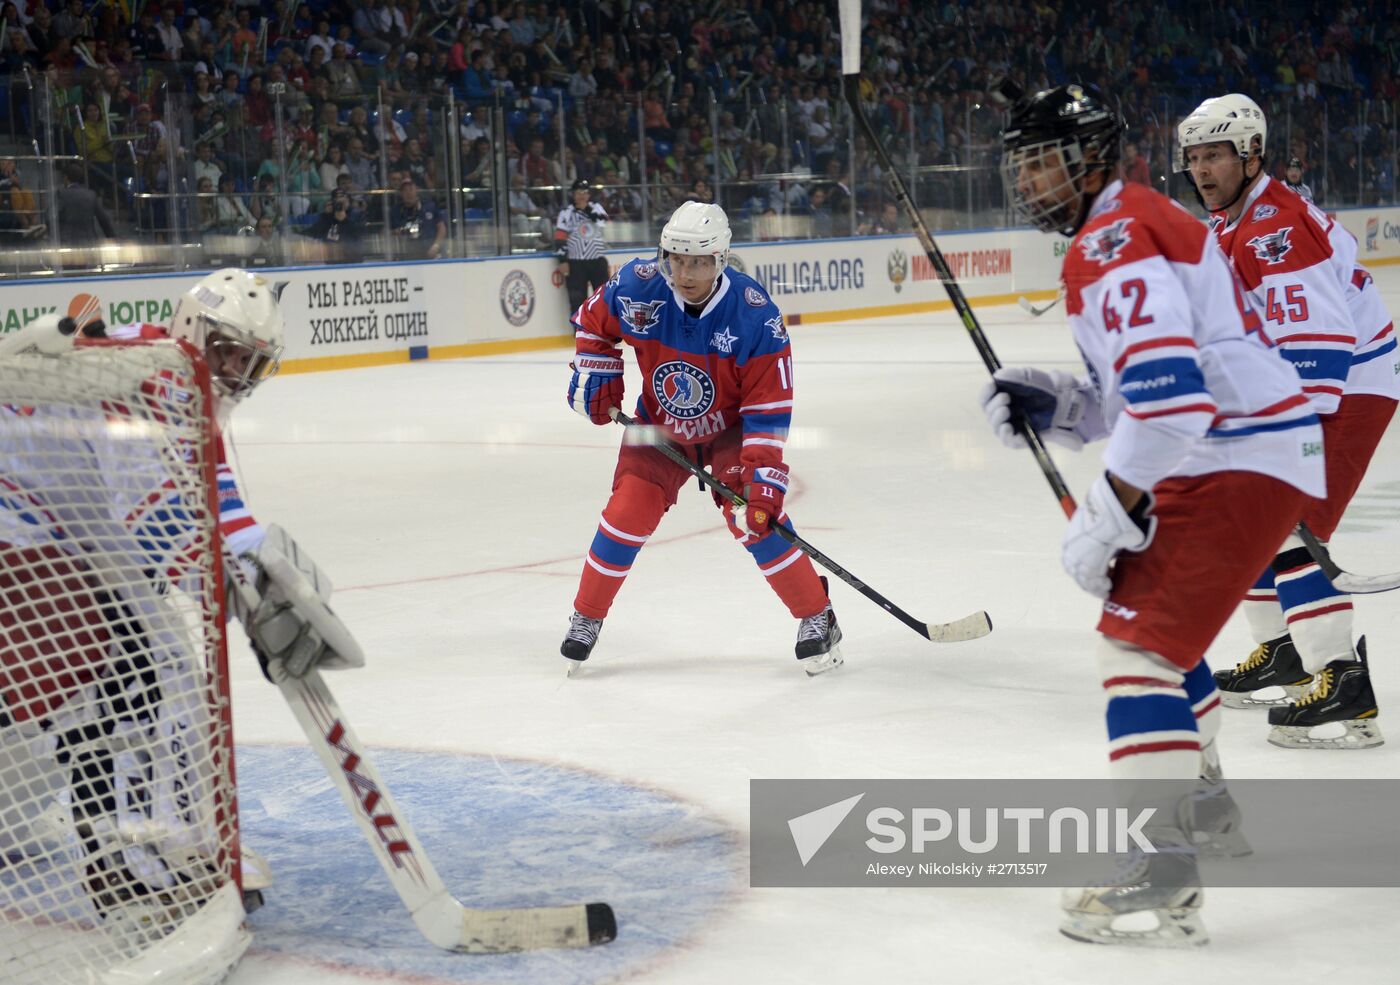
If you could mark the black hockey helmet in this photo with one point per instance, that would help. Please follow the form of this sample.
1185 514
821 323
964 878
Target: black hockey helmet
1052 140
582 185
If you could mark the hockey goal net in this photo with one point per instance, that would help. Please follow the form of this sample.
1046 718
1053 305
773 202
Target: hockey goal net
118 819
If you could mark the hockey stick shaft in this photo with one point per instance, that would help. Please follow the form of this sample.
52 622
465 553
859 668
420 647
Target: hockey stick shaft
1342 580
441 918
969 627
850 34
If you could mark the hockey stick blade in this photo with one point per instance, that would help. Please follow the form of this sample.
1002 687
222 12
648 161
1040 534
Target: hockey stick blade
960 630
971 627
443 919
1345 581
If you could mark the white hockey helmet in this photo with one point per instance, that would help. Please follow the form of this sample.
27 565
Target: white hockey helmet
233 317
1234 118
695 229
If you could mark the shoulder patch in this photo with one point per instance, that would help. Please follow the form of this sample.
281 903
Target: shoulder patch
1263 212
1106 245
779 329
754 297
645 271
1272 247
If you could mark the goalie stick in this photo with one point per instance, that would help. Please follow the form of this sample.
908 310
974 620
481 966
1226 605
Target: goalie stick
850 72
441 917
959 630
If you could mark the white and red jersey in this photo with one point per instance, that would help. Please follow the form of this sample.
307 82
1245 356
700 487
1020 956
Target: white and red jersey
1318 304
1171 346
240 531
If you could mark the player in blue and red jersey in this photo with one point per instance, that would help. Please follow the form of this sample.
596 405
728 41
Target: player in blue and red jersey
716 367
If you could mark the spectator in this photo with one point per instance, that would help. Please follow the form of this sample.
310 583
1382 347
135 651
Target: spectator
373 23
266 204
333 166
17 208
82 221
525 217
232 215
205 164
172 44
341 226
419 166
1135 165
267 244
206 205
92 141
363 169
417 223
343 75
886 224
72 22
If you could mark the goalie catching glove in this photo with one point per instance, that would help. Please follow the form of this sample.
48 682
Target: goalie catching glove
291 627
1061 408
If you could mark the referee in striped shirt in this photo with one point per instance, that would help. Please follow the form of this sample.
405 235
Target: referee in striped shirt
578 242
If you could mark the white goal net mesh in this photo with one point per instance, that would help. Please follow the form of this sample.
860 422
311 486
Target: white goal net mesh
118 821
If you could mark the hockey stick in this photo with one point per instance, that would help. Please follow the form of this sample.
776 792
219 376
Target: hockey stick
850 69
1345 581
442 918
1036 312
967 628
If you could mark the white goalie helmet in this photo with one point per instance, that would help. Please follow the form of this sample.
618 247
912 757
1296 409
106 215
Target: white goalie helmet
695 229
1234 118
233 317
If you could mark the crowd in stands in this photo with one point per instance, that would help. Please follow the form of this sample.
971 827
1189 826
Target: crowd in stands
272 115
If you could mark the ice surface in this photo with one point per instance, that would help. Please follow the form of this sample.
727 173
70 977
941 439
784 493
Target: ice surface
452 503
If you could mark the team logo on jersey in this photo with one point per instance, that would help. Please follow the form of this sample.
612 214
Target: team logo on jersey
640 316
1264 212
645 271
517 297
1216 223
779 329
754 298
723 341
1272 247
1107 244
683 391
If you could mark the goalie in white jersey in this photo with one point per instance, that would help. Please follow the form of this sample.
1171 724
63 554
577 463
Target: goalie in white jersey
90 505
1212 453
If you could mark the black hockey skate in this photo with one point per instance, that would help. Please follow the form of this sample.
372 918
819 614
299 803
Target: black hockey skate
1338 713
817 640
1272 664
580 639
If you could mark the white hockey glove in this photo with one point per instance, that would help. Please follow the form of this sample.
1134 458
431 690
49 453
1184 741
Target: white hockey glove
1061 408
292 629
1099 529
